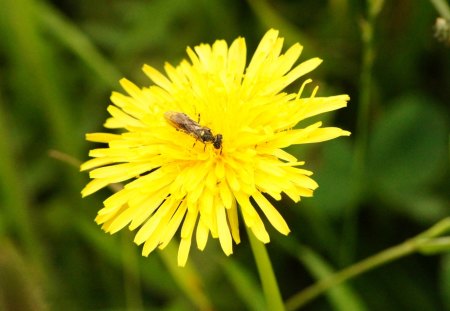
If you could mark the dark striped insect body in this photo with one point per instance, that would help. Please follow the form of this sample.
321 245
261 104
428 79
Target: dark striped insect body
182 122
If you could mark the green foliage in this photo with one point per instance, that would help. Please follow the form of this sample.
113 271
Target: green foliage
408 155
60 61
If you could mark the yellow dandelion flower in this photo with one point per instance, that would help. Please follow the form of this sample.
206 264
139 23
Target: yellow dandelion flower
206 140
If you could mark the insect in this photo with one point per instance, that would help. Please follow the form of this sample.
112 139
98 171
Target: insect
182 122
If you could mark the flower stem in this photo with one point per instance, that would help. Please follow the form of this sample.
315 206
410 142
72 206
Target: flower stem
362 129
416 244
130 268
266 274
187 278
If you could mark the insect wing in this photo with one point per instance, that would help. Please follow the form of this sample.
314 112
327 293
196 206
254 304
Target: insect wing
180 121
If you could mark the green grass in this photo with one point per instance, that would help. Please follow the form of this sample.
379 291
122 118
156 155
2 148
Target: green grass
388 182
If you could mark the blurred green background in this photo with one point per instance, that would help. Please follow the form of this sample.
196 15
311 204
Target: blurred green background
59 62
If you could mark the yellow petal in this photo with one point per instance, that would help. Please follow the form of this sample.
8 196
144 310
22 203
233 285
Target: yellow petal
271 213
183 251
224 231
252 219
158 78
202 234
173 225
